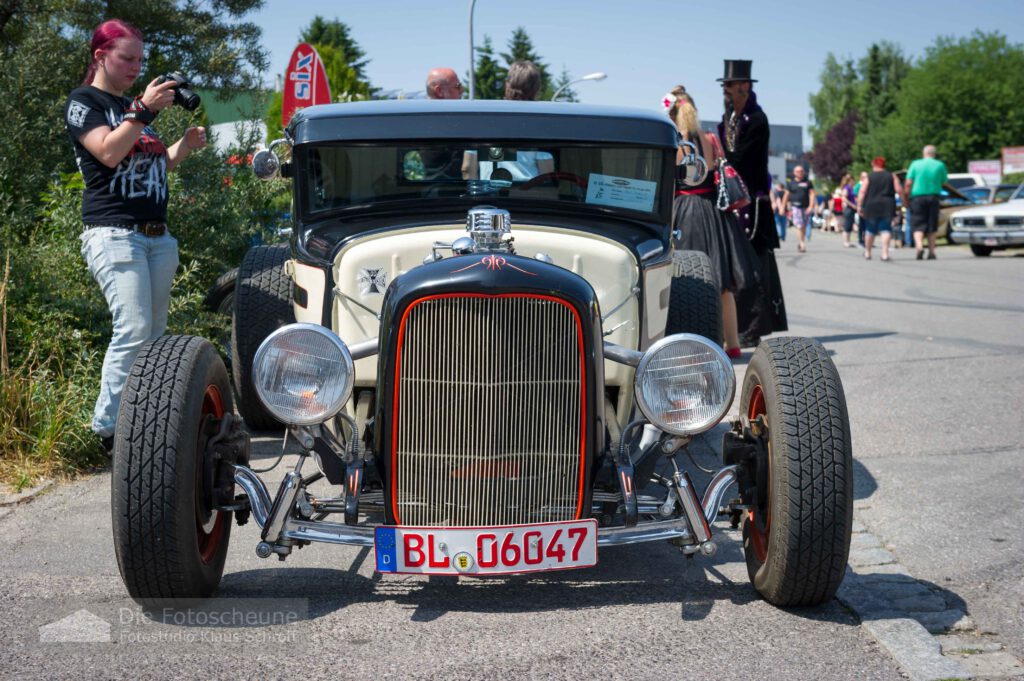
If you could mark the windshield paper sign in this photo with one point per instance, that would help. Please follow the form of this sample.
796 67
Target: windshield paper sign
621 192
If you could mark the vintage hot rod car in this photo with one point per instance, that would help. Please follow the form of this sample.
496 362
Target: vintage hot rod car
488 349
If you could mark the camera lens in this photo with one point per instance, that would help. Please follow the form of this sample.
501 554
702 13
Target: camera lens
186 99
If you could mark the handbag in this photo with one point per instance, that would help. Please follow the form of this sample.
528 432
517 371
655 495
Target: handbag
732 192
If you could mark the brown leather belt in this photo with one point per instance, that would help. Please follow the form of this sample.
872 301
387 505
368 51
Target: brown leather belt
145 228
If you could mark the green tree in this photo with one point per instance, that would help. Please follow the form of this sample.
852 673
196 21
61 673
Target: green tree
343 63
207 41
963 97
865 92
882 71
568 94
56 323
837 98
489 75
337 35
520 48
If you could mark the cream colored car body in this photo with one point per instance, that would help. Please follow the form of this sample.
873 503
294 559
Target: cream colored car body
365 266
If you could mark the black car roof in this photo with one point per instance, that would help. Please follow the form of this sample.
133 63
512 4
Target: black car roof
380 121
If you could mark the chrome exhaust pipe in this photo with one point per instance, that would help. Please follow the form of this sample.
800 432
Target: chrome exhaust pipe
716 490
259 498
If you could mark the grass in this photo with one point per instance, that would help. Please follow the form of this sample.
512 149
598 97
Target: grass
43 430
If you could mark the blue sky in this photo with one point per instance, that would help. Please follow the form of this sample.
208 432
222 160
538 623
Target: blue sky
645 46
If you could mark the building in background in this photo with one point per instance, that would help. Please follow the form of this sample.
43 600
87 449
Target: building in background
226 118
785 147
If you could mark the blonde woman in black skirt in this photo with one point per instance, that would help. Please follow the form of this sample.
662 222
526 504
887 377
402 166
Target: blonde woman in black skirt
701 225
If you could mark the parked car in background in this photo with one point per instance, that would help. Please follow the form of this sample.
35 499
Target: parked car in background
992 194
964 180
952 200
995 227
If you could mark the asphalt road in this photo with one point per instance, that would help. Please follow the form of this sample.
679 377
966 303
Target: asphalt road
931 360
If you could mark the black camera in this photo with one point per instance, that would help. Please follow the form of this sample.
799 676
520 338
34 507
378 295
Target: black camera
183 97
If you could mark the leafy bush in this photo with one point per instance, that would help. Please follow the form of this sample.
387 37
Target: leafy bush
57 323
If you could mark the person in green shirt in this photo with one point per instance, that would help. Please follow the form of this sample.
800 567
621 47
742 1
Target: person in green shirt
924 185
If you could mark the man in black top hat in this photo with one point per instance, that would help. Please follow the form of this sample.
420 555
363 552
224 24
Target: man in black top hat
744 133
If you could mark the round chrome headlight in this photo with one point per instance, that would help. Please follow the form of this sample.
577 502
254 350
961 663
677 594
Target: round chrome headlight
303 374
684 384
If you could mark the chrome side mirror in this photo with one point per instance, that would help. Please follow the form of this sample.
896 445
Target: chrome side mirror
265 163
695 168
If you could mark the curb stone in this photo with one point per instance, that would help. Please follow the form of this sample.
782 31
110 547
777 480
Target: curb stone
902 614
915 650
26 495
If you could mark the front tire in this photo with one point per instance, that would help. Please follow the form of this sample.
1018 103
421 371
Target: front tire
981 251
695 303
169 541
797 540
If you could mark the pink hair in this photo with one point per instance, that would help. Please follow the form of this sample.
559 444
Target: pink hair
103 38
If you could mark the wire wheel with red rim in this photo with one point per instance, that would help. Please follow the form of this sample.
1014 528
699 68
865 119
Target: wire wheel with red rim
170 541
796 536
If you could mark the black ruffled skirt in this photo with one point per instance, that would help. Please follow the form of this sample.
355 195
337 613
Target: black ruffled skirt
700 226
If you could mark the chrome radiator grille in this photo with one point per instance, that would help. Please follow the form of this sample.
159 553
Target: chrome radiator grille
488 412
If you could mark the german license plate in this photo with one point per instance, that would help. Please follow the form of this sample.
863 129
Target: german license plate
486 550
991 242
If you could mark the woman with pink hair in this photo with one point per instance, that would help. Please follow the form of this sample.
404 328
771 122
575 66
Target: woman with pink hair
125 241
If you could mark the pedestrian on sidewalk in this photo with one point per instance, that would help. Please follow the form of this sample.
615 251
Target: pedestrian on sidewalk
779 209
925 178
877 204
800 200
849 199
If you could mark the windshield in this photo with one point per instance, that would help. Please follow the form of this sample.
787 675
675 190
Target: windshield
623 178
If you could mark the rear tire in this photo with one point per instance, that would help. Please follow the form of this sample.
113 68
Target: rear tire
981 251
169 542
695 303
263 304
797 541
220 299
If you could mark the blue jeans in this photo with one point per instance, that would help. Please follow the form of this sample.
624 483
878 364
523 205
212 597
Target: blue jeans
134 272
780 226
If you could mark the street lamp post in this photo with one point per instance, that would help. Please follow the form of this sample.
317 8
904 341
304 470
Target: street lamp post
590 76
472 57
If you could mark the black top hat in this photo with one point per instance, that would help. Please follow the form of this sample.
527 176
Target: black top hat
736 69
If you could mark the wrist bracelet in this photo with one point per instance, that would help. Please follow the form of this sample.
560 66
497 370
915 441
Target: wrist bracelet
137 111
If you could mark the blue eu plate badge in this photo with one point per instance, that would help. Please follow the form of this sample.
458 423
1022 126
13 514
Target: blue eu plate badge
385 545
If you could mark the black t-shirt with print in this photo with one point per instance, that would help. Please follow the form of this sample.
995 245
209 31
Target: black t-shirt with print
134 191
800 192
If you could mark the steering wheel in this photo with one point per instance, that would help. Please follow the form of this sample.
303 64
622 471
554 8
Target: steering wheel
558 175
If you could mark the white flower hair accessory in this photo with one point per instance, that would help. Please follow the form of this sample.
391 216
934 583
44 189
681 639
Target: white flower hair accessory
668 101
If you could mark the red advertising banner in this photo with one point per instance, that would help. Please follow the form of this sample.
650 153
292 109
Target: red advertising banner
305 82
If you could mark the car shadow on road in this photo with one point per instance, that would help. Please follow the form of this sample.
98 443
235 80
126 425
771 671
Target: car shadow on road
641 574
842 337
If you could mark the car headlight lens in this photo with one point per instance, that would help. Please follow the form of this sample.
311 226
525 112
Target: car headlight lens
303 374
684 384
957 222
